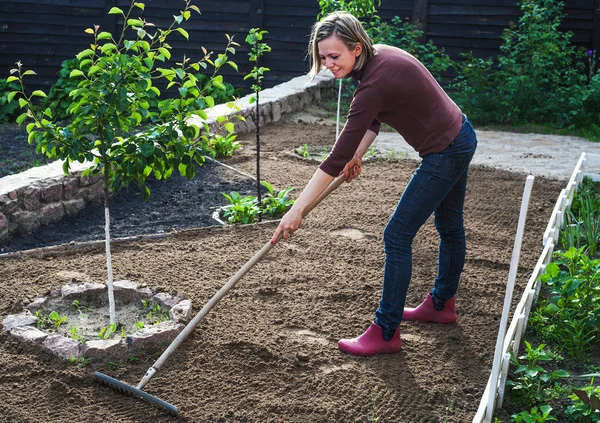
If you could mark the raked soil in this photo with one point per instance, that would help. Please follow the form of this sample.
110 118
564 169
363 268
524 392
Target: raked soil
267 352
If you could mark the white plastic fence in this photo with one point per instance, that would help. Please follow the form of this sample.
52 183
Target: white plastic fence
587 165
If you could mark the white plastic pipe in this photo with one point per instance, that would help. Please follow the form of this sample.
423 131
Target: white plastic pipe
337 125
109 281
512 274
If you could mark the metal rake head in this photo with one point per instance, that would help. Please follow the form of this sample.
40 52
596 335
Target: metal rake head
135 392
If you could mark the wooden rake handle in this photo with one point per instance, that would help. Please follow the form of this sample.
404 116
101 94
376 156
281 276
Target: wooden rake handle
221 293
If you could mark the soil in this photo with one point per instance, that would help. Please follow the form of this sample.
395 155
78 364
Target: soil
267 352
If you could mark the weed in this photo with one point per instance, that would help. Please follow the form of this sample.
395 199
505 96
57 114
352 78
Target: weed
373 416
303 151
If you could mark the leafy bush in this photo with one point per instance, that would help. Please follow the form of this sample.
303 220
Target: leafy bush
539 77
58 99
407 36
8 110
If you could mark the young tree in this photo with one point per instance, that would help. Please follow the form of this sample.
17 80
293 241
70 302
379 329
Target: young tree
113 125
257 49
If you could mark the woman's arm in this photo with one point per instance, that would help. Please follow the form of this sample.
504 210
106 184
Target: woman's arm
354 165
293 218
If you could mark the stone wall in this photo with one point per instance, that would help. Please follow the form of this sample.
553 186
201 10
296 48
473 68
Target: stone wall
44 195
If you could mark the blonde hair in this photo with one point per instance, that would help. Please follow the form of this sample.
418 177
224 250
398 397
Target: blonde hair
348 29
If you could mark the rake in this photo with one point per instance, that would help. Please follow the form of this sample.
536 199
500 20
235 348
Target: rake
138 391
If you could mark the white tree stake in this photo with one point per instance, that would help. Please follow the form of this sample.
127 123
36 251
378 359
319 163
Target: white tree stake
337 126
109 282
512 274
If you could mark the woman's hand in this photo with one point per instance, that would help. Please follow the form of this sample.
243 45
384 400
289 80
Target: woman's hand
290 222
352 169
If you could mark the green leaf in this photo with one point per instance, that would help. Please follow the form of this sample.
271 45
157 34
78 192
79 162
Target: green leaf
23 102
184 33
182 169
115 11
85 53
12 79
209 101
147 149
229 127
29 72
104 36
93 70
135 22
65 167
38 93
233 65
75 72
21 118
146 193
195 8
12 95
108 47
165 52
140 5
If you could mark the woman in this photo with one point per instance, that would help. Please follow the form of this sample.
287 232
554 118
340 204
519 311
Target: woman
396 89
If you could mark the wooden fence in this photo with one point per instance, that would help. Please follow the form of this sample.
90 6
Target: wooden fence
43 33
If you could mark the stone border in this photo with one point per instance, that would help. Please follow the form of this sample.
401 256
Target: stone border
22 325
44 195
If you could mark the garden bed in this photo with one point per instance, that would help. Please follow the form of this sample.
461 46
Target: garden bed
267 352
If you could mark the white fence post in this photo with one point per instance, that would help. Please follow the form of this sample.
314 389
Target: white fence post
512 274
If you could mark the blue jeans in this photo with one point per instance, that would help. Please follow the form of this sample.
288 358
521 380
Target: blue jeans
438 186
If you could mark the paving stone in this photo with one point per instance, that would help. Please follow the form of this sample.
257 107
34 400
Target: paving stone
62 347
16 320
52 192
3 227
168 300
51 213
36 304
82 291
104 348
127 291
26 222
154 335
73 207
70 187
29 334
181 312
30 196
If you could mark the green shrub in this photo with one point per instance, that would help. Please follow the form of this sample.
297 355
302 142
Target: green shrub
539 77
8 110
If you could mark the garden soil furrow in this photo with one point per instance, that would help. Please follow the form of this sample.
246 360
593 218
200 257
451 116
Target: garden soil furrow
267 352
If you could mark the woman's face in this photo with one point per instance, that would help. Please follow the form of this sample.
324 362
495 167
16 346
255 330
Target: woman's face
337 57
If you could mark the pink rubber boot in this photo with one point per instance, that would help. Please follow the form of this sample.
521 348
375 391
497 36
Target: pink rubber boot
426 312
371 342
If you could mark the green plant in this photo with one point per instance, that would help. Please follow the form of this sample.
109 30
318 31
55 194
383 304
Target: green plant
586 402
139 325
157 314
75 335
56 319
106 332
535 415
241 209
224 145
531 383
276 203
8 110
257 49
81 361
303 151
358 8
112 126
373 416
123 333
538 77
58 99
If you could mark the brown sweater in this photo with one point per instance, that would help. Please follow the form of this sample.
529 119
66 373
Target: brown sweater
396 89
